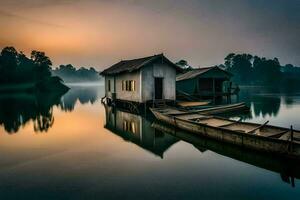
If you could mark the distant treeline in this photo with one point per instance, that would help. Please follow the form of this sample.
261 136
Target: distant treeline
248 69
16 67
70 74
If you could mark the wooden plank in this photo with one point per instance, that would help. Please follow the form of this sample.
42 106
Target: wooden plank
215 122
192 116
193 103
278 135
259 127
229 124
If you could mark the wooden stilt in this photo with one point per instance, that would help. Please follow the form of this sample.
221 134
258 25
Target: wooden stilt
214 90
293 181
291 139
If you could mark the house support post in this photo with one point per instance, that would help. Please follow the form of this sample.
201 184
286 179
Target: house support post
214 90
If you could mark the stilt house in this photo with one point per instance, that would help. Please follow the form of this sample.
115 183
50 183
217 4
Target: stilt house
204 82
141 80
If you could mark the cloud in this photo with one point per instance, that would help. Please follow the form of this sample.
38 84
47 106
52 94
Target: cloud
35 3
30 20
202 31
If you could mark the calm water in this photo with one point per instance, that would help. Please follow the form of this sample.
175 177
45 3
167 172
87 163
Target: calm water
72 147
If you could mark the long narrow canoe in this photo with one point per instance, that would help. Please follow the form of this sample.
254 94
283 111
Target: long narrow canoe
207 110
262 137
222 109
286 167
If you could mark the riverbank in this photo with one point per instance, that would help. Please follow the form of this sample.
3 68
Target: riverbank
52 84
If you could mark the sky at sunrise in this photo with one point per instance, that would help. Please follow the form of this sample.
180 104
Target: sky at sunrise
99 33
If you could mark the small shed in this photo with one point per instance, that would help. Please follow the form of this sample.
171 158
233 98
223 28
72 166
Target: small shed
141 80
204 82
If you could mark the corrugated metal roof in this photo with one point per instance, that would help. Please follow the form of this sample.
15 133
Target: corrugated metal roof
196 72
135 64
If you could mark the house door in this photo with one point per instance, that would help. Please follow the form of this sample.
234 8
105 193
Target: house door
158 88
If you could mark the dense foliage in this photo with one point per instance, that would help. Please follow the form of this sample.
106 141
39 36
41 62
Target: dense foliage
16 67
70 74
249 69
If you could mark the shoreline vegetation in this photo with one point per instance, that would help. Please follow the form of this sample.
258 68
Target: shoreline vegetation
19 73
72 75
252 70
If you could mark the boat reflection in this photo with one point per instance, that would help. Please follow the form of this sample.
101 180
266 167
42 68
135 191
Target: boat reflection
137 129
288 169
157 137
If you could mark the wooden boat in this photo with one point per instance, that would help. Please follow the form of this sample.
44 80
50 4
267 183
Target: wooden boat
209 110
260 137
192 104
288 168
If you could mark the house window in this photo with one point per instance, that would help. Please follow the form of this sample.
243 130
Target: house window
123 85
128 85
132 85
108 85
129 126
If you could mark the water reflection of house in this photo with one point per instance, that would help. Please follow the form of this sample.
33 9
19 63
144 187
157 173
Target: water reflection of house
137 129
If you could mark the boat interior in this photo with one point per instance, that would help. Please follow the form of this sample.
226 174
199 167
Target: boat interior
264 129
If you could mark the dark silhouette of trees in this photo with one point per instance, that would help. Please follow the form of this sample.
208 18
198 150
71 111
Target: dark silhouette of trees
8 64
184 65
42 64
240 64
248 69
18 68
266 70
70 74
290 77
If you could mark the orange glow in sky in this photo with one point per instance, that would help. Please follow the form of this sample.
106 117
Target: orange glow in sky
100 33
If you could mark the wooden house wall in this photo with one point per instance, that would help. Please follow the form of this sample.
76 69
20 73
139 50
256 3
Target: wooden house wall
129 95
144 83
203 82
112 86
159 70
187 86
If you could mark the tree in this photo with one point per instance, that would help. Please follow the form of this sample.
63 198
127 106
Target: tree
267 71
42 63
229 60
25 69
9 57
182 63
241 66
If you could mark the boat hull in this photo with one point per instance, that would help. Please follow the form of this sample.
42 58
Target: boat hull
271 145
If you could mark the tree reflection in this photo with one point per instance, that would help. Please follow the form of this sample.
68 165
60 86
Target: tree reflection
81 94
19 109
16 110
266 105
44 122
264 101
